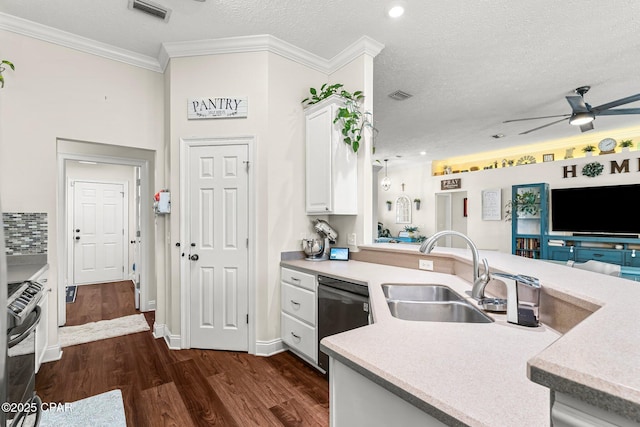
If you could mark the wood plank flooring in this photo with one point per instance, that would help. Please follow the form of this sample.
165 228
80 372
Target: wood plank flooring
163 387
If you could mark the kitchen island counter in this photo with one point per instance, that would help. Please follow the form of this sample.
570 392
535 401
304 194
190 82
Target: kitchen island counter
481 374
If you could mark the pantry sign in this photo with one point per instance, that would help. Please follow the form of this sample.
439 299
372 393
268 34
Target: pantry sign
217 108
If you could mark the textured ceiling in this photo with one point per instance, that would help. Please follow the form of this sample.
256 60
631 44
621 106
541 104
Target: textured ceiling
469 65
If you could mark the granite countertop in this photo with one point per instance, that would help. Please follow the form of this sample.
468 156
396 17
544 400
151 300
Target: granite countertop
488 374
24 267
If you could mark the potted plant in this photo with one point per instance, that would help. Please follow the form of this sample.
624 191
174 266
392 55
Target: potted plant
526 204
589 149
3 64
417 202
411 230
351 117
389 203
626 144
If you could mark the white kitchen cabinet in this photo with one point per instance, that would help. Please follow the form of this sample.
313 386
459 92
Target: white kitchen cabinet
298 316
331 165
355 400
570 412
42 333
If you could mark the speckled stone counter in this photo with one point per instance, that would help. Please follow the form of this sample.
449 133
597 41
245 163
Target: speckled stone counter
495 374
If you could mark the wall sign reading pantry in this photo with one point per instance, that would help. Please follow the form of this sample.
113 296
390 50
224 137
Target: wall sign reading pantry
217 108
571 171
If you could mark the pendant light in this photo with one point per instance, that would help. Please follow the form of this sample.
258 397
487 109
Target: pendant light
386 182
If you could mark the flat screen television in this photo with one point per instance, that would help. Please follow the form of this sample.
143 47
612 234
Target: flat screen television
607 210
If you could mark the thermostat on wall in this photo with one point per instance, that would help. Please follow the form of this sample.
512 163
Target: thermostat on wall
339 254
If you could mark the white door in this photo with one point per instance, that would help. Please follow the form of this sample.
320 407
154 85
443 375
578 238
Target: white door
218 253
98 232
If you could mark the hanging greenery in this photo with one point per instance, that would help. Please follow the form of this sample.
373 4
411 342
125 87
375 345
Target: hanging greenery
592 169
353 120
3 64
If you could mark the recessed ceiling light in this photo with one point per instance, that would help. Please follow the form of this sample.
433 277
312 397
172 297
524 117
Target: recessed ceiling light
423 153
396 10
498 135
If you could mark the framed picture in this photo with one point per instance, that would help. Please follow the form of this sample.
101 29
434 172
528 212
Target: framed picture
464 207
547 157
492 205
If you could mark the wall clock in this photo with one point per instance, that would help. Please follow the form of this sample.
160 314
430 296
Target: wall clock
607 146
526 160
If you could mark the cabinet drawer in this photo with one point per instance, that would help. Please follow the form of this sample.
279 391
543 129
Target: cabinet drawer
604 255
299 336
560 253
299 303
307 281
632 258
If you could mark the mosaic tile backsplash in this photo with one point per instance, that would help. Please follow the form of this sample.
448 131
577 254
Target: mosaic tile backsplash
25 233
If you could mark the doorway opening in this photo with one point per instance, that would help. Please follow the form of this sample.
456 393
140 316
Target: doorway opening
451 215
96 167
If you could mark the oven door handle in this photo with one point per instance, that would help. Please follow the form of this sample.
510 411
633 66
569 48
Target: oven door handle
26 329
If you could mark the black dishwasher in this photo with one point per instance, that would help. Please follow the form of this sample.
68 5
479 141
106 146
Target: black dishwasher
342 306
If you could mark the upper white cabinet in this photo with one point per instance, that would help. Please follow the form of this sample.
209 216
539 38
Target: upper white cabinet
331 165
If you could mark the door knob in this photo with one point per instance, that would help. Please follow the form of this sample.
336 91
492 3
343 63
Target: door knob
194 257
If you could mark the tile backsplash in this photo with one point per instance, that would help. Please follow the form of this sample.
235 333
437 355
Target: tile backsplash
25 233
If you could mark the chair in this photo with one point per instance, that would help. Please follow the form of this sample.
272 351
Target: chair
597 267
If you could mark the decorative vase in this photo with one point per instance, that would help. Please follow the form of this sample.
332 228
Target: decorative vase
417 206
588 153
388 206
625 149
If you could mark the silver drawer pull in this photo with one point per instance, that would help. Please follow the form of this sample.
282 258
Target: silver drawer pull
297 304
296 336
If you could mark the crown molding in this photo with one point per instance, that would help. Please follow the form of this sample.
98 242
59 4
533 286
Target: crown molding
269 43
257 43
49 34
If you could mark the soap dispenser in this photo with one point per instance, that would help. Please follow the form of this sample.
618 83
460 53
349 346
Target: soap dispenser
523 299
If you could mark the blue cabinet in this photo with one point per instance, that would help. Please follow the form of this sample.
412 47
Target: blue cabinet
529 220
623 251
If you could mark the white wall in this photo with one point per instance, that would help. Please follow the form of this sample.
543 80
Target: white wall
275 87
56 92
496 235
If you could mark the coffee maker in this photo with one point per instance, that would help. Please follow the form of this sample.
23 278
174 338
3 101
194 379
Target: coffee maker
318 249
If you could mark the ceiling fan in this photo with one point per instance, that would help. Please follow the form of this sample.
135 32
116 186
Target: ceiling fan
583 114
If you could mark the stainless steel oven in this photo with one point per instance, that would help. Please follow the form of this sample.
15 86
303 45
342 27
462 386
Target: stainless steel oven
342 306
22 320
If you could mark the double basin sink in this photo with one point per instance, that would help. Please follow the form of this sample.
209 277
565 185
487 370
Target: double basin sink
431 303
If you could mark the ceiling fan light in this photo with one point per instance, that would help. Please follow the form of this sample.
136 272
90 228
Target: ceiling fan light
579 119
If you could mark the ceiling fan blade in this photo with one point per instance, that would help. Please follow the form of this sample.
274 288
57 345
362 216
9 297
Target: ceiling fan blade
586 127
612 104
577 103
536 118
543 126
617 112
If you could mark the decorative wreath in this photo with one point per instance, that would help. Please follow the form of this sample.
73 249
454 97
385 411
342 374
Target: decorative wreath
592 169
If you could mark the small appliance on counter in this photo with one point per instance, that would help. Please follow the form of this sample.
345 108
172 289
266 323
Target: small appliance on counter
318 249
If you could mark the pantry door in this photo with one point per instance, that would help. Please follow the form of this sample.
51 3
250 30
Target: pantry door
217 252
98 233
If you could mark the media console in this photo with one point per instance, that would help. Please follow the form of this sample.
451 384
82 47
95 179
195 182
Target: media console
623 251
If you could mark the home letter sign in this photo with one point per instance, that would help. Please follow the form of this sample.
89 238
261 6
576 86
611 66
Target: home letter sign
217 108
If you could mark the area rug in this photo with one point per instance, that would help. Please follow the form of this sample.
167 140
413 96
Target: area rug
94 331
102 410
71 293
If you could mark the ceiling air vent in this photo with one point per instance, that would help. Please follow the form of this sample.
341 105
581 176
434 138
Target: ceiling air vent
400 95
151 8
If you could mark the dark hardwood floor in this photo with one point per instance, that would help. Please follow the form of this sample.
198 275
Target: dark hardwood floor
163 387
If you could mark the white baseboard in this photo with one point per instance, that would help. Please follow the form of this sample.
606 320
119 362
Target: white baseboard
174 342
269 348
52 353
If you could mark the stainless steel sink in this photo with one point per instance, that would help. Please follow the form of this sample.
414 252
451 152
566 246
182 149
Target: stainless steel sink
430 311
431 303
422 292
